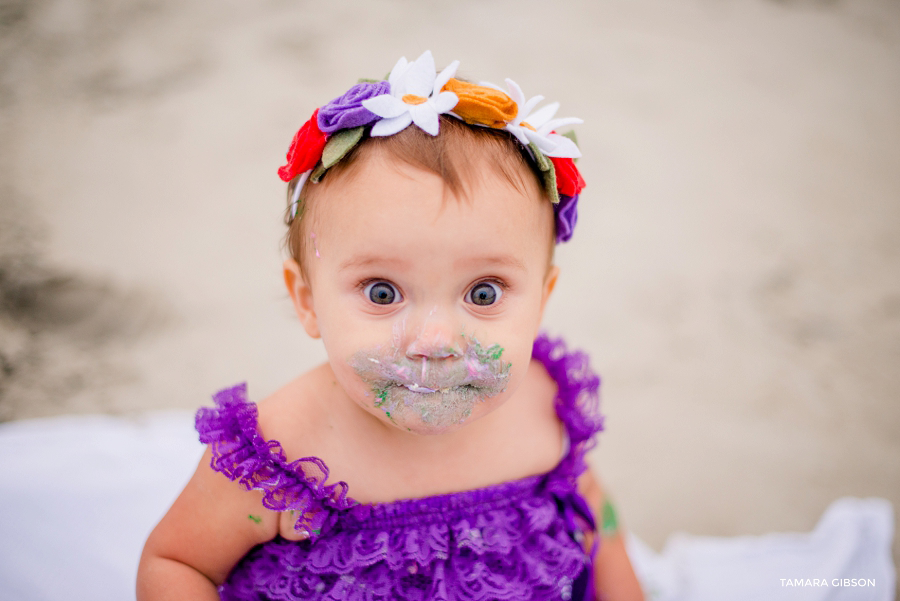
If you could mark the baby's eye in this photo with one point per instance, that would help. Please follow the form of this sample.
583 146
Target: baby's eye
484 293
382 293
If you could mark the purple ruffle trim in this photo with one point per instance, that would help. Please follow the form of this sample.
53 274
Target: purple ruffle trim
513 540
578 395
347 111
239 452
566 213
498 555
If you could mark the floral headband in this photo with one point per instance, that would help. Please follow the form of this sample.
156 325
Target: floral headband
415 93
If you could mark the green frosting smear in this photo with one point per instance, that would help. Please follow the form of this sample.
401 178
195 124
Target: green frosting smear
609 519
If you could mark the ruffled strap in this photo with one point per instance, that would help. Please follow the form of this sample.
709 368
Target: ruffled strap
241 453
577 405
577 399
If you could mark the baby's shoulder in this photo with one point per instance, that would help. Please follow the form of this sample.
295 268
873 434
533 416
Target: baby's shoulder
295 414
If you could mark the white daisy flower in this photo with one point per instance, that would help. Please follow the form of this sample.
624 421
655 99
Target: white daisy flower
415 97
538 126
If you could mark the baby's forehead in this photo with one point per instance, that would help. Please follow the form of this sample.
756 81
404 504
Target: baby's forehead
465 159
385 183
384 203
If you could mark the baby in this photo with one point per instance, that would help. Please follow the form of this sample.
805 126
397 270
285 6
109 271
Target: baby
439 453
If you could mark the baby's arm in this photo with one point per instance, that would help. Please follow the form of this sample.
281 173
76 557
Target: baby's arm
212 524
614 577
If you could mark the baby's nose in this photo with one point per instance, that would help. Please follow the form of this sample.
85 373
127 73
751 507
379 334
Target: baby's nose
434 340
432 348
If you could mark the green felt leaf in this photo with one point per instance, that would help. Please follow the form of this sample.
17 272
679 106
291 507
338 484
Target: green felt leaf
339 144
571 135
317 173
543 163
550 185
367 80
548 172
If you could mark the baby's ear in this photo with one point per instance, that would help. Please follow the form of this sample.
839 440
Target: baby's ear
301 296
549 285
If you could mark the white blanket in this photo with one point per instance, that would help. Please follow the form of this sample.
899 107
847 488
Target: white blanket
80 494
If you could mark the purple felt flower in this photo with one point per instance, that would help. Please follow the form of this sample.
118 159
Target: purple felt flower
566 213
347 111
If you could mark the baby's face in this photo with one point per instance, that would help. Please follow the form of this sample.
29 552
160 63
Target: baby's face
428 305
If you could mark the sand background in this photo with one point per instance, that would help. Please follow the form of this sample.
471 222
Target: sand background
734 274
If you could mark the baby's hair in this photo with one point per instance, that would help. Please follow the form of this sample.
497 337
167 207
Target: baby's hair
457 154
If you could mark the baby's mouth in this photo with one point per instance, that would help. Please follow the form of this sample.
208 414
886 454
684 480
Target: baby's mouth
438 392
420 389
438 387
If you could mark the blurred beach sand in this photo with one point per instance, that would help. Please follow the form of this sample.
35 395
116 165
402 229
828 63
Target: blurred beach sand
734 274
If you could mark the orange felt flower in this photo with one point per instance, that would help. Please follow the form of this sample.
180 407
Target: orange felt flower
482 105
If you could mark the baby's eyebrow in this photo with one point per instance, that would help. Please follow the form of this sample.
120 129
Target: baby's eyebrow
493 260
368 261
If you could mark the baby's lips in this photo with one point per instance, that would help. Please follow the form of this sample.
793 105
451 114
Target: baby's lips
444 374
430 385
422 389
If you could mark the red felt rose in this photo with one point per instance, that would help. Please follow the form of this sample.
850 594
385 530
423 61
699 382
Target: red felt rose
305 150
568 179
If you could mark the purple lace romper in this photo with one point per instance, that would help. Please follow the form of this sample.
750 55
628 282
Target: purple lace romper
513 540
